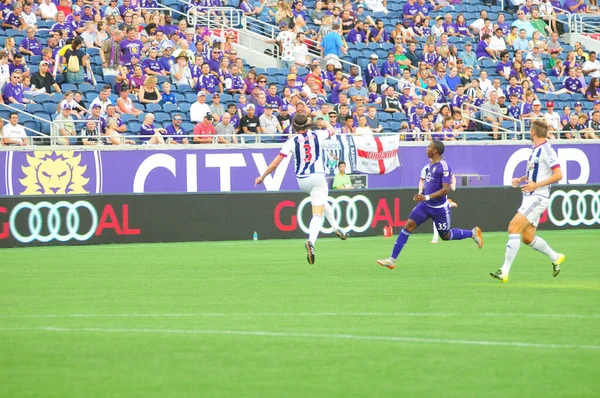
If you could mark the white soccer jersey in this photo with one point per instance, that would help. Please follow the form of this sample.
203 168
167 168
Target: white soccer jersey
542 161
307 152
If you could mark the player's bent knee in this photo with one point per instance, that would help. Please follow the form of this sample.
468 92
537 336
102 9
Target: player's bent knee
445 236
410 225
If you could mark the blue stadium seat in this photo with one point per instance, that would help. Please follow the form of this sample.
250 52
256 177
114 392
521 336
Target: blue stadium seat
153 108
191 97
185 107
127 117
50 107
133 127
174 108
69 87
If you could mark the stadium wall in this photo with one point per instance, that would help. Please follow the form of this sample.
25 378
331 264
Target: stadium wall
99 219
145 170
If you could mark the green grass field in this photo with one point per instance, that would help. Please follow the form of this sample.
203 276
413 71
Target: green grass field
253 319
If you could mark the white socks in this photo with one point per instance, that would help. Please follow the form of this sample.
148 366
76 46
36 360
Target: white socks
316 222
541 246
512 248
436 234
328 212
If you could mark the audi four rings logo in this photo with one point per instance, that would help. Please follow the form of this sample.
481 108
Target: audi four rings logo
54 221
577 208
348 220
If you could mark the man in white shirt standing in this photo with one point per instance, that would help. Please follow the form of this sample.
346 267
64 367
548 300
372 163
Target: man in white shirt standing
13 133
591 67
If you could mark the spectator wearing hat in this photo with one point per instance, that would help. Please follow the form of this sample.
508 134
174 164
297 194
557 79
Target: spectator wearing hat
468 56
43 79
250 124
180 71
216 107
269 124
358 90
175 132
284 118
199 108
64 127
542 84
552 118
205 130
286 39
372 70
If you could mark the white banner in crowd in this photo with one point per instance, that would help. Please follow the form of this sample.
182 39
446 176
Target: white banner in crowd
362 154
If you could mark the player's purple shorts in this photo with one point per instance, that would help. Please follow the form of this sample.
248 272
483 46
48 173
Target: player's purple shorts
440 216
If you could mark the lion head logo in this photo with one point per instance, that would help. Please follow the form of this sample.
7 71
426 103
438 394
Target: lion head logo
54 173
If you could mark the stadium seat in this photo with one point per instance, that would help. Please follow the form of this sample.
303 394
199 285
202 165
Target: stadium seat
174 108
154 108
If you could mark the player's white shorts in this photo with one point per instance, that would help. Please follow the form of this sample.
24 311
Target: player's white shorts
532 208
316 186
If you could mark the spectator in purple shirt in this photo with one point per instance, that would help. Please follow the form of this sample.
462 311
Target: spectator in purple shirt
149 134
74 24
11 18
572 84
214 62
410 9
483 49
12 92
575 6
378 33
390 67
30 45
131 47
372 69
357 34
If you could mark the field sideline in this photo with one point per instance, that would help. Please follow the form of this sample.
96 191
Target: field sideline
253 319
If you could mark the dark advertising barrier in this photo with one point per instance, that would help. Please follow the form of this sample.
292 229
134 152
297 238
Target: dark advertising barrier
76 220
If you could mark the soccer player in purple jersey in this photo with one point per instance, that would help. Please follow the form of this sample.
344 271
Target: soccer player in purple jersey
433 204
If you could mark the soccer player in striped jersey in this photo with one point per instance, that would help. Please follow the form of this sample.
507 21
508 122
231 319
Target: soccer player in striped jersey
543 170
306 146
433 204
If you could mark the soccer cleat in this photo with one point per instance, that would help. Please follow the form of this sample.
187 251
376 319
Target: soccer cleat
434 241
499 275
310 252
556 265
341 234
388 262
477 237
452 203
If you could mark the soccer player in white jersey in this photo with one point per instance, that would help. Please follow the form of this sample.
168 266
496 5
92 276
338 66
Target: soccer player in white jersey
451 203
543 169
306 146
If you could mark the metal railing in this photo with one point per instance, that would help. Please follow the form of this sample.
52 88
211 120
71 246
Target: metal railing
214 16
585 23
41 120
518 125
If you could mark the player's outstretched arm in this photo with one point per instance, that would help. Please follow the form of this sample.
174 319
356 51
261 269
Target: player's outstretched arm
274 164
531 186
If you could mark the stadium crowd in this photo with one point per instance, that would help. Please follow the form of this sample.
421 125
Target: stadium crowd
435 74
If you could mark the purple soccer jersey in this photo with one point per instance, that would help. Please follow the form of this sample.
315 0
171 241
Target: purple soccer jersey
437 209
